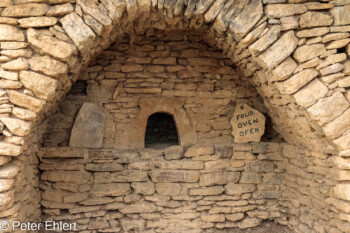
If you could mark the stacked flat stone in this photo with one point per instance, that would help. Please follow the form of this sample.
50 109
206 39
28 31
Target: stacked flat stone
295 53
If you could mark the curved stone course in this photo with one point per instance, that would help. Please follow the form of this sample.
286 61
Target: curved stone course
294 52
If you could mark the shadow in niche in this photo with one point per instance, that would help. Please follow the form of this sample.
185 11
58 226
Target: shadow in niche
161 131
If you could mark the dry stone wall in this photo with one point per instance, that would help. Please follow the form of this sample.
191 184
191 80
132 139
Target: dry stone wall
201 189
294 52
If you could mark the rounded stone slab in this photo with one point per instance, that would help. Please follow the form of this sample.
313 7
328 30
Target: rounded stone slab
88 127
248 125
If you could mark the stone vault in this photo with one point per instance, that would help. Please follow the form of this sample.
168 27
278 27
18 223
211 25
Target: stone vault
294 53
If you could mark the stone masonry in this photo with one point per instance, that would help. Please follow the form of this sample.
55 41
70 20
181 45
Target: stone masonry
289 59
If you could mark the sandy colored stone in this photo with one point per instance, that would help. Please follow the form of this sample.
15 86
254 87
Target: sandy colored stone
13 45
338 126
338 44
218 178
6 184
265 41
199 150
9 75
26 101
308 52
113 189
37 22
234 189
10 33
25 10
309 94
252 36
279 51
88 127
17 126
129 176
24 114
214 10
328 108
213 190
284 70
5 3
101 167
17 53
342 191
78 31
145 188
283 10
60 10
315 19
174 176
17 64
313 32
48 66
168 189
9 149
297 81
249 222
8 84
93 24
345 82
7 199
331 69
75 177
343 142
288 23
246 20
139 207
248 125
49 45
98 11
340 15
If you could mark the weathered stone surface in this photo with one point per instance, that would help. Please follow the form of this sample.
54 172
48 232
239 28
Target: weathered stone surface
6 200
283 10
312 32
198 150
338 44
49 45
315 19
284 70
42 86
328 108
10 149
288 23
113 189
338 126
37 22
246 20
75 177
25 10
88 127
214 10
24 114
218 178
8 84
168 189
259 166
18 64
342 191
234 189
174 176
26 101
312 92
181 165
214 190
249 222
308 52
265 41
78 31
10 33
139 207
250 178
129 176
332 69
279 51
98 11
5 3
60 10
342 143
102 167
48 66
6 184
93 24
248 125
340 15
297 81
145 188
17 126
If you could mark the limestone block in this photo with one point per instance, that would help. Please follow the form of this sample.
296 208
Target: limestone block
60 10
6 200
139 207
181 165
283 10
6 184
250 178
101 167
251 37
234 189
199 150
332 69
48 66
115 8
308 52
288 23
338 126
113 189
313 32
343 143
8 171
8 84
214 10
78 31
315 19
10 33
246 20
219 178
249 222
25 10
279 51
284 70
259 166
42 86
98 11
342 191
17 126
9 75
248 125
269 194
174 176
133 224
265 41
75 177
213 218
340 15
309 94
5 3
297 81
168 189
50 45
10 149
88 127
214 190
328 108
145 188
18 64
37 22
93 24
129 176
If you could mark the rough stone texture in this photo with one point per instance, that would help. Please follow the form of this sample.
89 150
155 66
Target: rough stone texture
309 94
248 125
297 81
88 127
308 52
37 22
25 10
10 33
48 66
315 19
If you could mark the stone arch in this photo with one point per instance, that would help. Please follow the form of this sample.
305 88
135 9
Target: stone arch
274 57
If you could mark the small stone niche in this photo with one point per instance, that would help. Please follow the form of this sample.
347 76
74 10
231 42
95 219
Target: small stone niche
161 131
